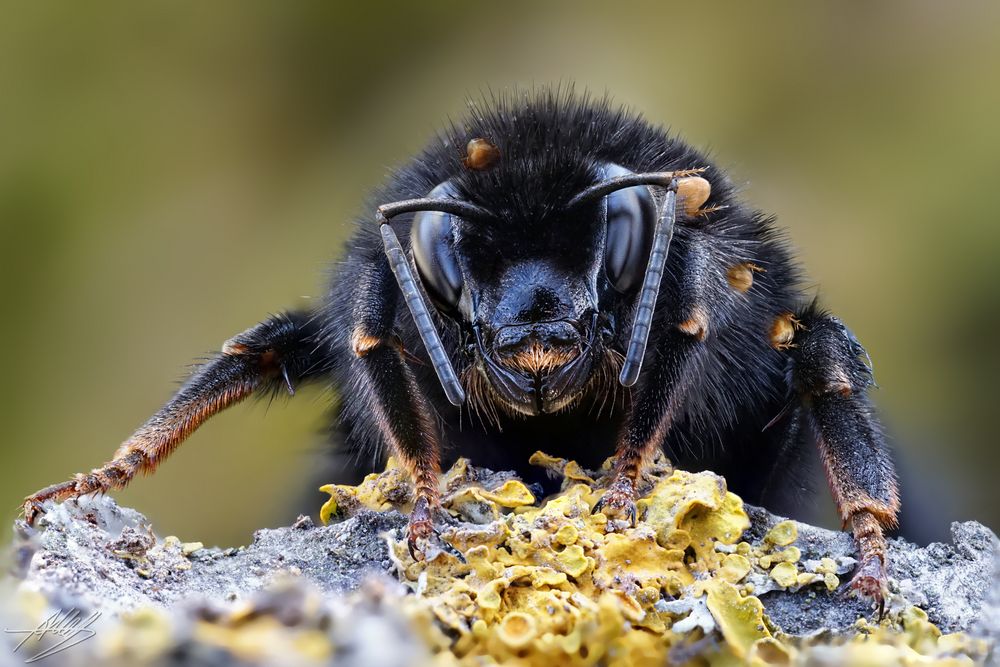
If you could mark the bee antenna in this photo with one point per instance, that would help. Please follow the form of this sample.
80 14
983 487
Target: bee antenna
600 189
408 284
650 288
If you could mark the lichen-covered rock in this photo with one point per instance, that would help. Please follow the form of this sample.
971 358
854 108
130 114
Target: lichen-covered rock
701 578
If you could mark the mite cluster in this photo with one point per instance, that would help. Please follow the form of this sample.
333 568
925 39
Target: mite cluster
555 273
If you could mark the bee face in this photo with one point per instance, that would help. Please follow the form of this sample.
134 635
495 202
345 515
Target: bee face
528 291
536 336
529 312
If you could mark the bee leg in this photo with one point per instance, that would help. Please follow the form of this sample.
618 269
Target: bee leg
831 381
402 415
656 400
271 356
390 399
664 385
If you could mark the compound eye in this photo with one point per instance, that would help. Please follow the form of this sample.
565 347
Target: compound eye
431 236
631 216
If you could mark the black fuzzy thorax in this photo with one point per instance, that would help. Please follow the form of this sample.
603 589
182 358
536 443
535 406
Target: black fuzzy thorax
550 146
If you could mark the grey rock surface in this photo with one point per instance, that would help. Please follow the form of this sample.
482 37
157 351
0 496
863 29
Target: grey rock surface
93 553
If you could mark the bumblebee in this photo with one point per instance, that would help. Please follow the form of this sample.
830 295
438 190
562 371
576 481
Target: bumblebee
557 273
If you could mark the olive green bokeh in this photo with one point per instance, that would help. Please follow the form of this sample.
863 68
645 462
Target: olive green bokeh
172 172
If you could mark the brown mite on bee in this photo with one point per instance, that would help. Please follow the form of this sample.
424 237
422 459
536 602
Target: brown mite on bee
480 154
496 300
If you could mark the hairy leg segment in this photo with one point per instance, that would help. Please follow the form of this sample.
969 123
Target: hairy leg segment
652 412
830 378
272 356
661 391
392 398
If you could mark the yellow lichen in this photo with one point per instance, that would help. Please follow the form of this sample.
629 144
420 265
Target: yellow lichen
789 555
698 505
782 534
570 471
144 635
517 629
378 491
769 651
741 619
734 568
549 582
542 582
785 574
188 548
827 566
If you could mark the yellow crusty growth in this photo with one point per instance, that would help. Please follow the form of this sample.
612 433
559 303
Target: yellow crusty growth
550 583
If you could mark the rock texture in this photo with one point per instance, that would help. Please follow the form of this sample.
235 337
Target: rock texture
82 555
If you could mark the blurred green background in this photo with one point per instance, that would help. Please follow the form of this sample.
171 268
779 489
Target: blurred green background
171 172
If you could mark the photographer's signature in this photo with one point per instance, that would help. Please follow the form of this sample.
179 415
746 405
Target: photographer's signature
70 627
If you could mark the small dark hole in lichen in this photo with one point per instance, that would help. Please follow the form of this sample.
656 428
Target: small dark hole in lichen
452 633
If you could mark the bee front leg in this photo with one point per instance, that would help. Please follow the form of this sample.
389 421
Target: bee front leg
391 399
672 366
656 401
831 381
402 416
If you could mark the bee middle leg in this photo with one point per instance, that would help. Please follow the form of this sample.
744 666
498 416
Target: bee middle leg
831 381
272 356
